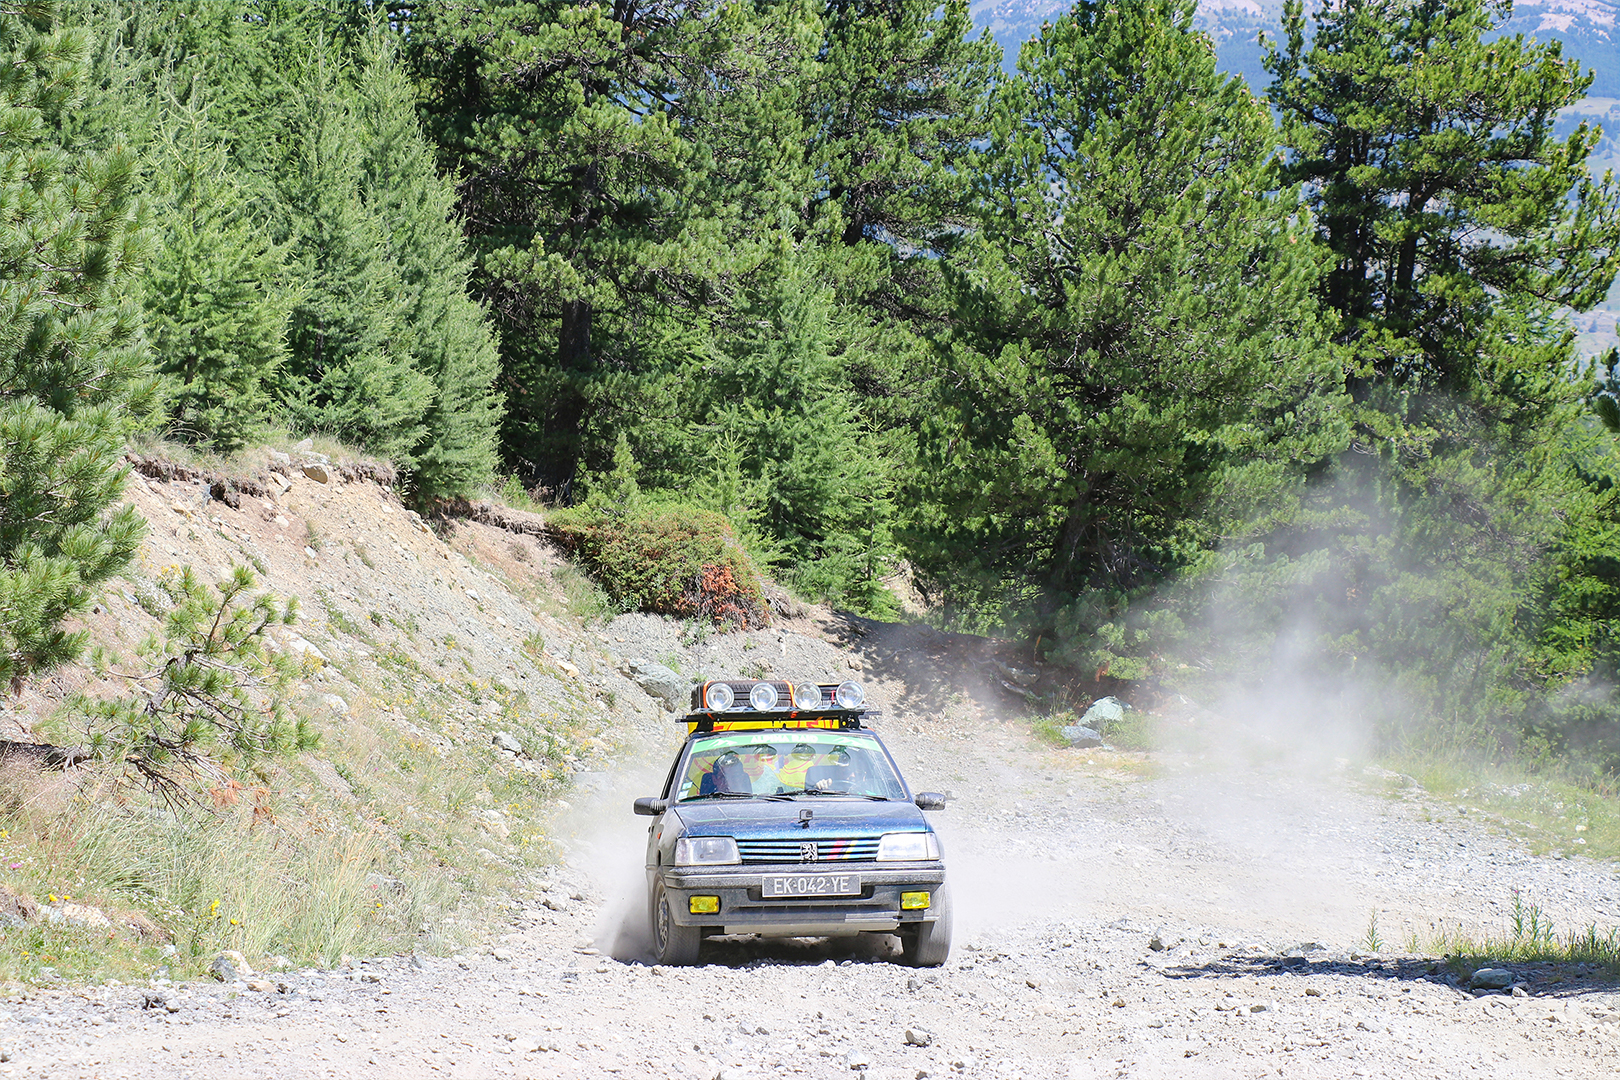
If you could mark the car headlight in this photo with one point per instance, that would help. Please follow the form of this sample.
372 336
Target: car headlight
850 695
806 696
763 697
706 851
718 696
907 847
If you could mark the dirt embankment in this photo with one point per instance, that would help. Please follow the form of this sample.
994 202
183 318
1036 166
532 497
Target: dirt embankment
1180 917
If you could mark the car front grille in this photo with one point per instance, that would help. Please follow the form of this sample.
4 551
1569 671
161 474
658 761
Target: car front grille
819 850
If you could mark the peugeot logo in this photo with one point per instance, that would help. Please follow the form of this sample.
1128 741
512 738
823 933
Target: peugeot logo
808 853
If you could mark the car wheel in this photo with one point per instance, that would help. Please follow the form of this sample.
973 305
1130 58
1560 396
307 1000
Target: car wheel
928 944
674 944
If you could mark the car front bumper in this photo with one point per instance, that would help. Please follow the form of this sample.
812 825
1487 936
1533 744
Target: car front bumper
744 909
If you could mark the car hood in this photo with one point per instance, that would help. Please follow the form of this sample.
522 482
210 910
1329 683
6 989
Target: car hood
759 818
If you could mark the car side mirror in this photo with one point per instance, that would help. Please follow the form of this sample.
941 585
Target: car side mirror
929 800
650 807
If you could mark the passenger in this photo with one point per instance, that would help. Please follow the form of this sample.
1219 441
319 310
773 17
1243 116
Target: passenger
798 763
759 763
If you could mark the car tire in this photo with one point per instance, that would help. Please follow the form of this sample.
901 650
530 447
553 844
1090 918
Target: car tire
928 944
673 944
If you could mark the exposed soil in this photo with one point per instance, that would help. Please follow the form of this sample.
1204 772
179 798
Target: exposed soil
1193 915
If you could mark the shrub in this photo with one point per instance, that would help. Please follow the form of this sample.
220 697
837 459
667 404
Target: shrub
669 559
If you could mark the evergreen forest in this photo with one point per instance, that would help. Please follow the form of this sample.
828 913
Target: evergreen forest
1166 376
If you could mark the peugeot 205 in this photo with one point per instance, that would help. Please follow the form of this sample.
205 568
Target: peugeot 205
784 815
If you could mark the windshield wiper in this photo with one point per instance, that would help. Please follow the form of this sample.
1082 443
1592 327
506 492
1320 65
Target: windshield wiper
848 794
720 795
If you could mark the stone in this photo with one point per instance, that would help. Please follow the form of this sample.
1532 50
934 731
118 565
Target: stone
1491 979
473 596
1080 735
919 1037
229 966
505 742
335 703
303 647
1156 943
280 458
662 683
858 1059
260 986
1104 711
316 472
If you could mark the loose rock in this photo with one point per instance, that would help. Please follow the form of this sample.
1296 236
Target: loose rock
229 966
662 683
1491 979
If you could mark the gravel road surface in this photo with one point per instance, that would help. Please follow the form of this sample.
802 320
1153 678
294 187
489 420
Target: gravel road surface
1199 921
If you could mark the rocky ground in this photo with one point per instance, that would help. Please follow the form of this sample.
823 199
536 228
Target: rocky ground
1190 915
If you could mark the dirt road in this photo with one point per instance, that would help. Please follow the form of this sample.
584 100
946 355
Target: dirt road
1186 926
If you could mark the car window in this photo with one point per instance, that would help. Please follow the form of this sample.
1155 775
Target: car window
786 762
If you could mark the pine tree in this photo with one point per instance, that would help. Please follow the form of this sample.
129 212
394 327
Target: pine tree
443 329
349 370
1137 366
564 122
1458 226
895 102
788 451
74 371
215 293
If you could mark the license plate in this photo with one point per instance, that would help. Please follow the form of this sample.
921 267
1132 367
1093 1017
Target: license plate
811 885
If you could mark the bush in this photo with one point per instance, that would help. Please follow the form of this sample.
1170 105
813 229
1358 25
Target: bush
669 559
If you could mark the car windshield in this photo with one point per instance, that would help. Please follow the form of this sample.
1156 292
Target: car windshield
787 763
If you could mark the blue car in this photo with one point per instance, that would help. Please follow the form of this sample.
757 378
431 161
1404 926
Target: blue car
784 815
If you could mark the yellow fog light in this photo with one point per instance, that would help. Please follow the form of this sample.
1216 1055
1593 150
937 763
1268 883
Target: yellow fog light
914 901
708 905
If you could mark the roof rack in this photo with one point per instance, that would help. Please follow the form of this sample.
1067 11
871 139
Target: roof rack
756 704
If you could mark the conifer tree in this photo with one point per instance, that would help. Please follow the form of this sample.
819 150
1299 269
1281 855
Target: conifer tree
74 371
1137 364
894 102
442 328
787 450
1458 226
215 293
349 370
564 122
